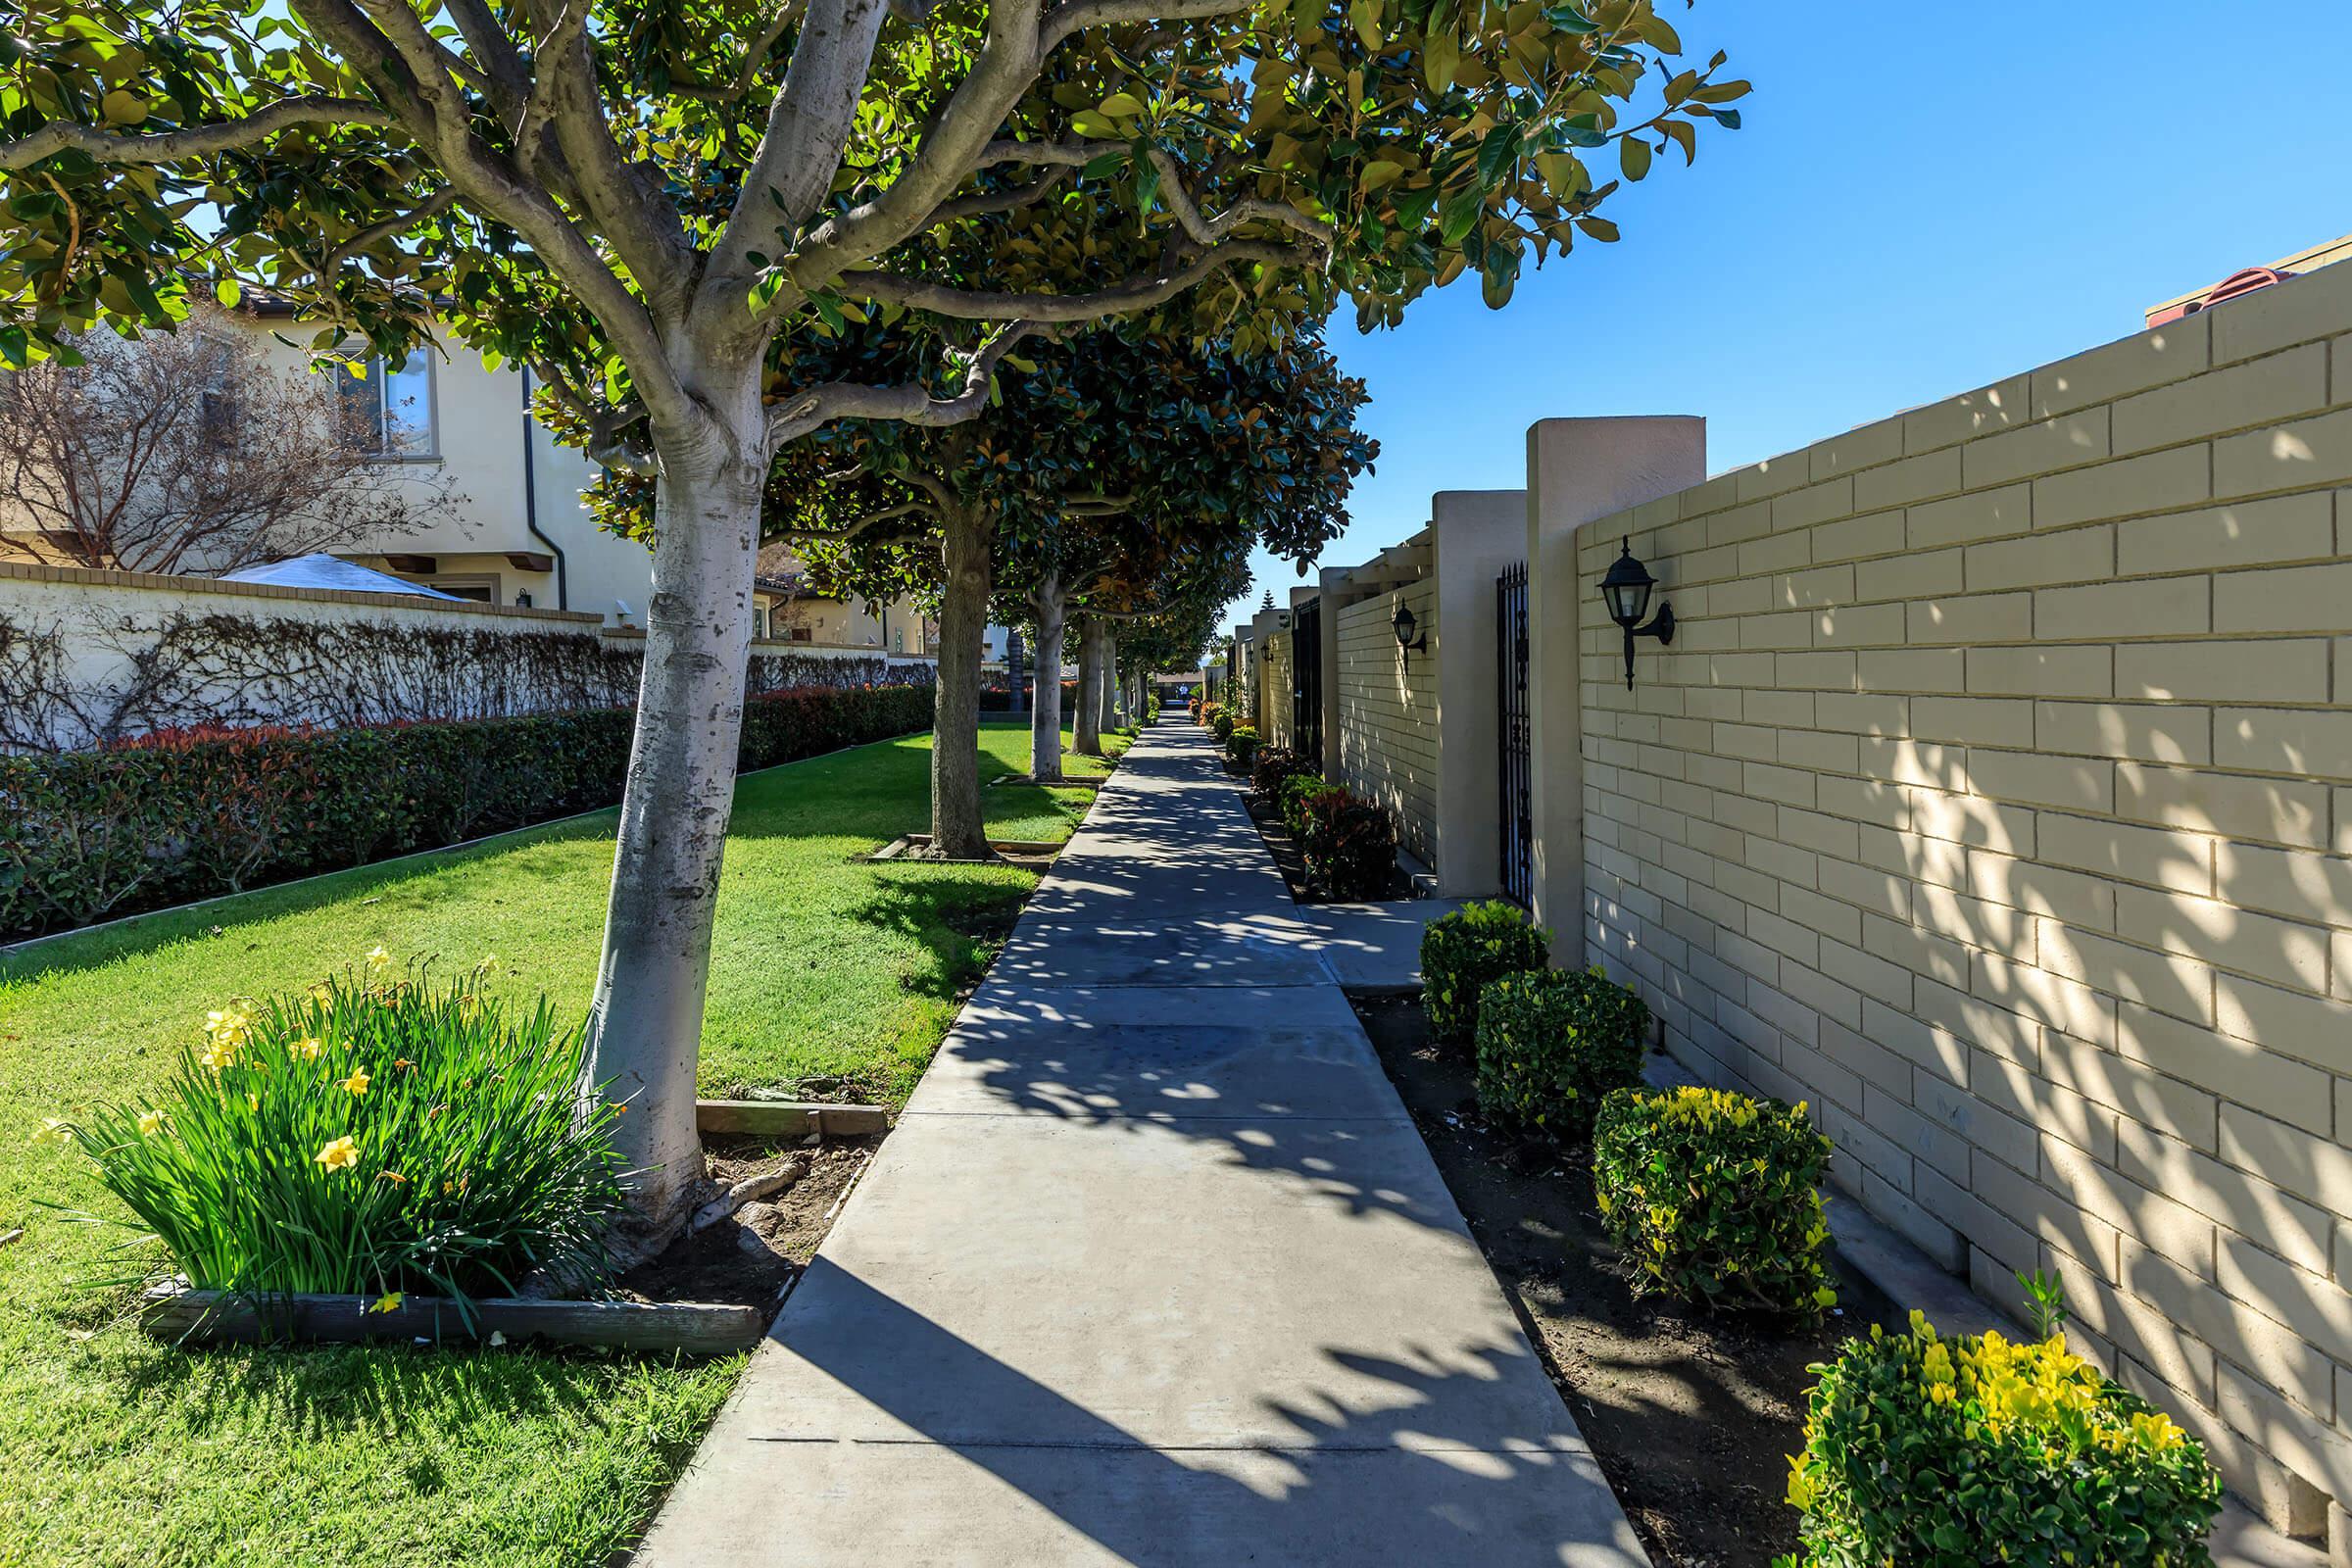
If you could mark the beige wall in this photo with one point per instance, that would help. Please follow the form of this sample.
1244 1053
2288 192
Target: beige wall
1274 690
1995 797
1387 748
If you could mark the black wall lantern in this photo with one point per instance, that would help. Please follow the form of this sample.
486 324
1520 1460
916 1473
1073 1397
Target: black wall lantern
1404 625
1626 591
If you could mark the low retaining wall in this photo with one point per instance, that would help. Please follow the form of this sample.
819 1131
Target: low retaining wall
88 656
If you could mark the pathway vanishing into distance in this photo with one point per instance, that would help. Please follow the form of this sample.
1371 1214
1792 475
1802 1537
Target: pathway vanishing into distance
1155 1269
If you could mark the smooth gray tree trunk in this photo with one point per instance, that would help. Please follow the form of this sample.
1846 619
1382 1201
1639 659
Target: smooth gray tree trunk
1044 720
958 831
644 1032
1086 736
1114 713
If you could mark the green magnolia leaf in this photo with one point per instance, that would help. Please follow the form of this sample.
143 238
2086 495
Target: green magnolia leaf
1121 103
1633 157
1459 214
1440 58
227 291
1497 152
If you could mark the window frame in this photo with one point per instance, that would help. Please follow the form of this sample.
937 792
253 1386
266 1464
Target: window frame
378 382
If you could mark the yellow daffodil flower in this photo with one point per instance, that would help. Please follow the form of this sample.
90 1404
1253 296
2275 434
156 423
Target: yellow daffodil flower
306 1049
151 1123
340 1154
357 1083
377 957
52 1131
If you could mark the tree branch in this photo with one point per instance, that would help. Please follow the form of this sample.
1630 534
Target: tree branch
911 403
437 202
490 181
808 126
1011 199
197 141
841 535
1076 16
974 305
634 214
755 57
1006 66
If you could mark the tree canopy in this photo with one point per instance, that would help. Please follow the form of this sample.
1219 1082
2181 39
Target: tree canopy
575 183
667 208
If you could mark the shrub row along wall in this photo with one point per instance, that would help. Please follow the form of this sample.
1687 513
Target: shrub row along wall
87 657
86 835
1995 797
1387 748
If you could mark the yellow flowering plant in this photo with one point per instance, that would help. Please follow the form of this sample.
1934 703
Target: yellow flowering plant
380 1131
1937 1452
1715 1197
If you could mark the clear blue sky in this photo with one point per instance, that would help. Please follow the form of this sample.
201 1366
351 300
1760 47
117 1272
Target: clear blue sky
1925 198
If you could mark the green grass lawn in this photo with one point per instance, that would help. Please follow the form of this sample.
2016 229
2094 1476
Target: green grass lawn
114 1450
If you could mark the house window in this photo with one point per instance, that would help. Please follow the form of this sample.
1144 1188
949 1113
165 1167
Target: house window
760 622
393 409
477 589
800 634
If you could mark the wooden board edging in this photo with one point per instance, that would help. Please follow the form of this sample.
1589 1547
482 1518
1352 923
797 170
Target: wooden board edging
787 1118
217 1317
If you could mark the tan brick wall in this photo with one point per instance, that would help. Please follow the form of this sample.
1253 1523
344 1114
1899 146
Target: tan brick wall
1388 710
1995 797
1274 692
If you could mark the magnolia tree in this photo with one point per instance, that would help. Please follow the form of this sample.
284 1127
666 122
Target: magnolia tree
653 202
1109 474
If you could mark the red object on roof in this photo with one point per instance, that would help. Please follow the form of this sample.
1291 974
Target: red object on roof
2228 288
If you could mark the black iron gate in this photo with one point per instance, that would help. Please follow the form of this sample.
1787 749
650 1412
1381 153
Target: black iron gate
1306 680
1510 679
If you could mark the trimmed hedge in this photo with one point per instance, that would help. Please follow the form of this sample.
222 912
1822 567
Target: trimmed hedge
998 699
1715 1196
1552 1043
191 813
1240 744
1931 1452
1461 952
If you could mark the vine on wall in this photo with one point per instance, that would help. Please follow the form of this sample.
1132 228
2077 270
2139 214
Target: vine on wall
108 679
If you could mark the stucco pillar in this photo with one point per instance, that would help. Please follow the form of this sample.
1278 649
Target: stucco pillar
1474 534
1267 625
1579 471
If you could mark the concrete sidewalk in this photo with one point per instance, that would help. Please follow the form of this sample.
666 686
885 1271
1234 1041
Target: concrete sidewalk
1155 1269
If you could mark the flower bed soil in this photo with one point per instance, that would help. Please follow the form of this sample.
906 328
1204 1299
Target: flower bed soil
755 1256
1692 1415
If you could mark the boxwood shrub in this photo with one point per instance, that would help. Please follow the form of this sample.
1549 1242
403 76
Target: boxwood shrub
1222 727
1715 1196
1240 744
1552 1043
1461 952
1930 1452
188 815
